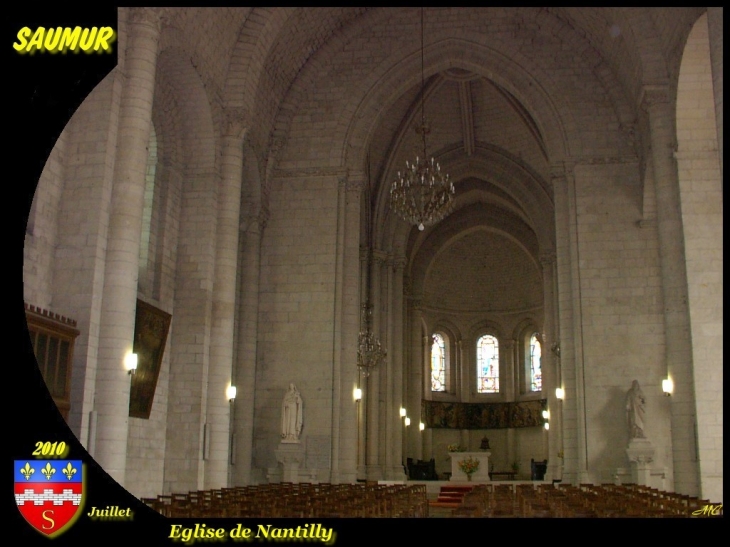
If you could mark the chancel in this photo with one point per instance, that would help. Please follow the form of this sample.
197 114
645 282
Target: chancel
559 242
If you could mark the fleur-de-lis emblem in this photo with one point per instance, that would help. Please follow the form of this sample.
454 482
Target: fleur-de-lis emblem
69 471
48 471
27 471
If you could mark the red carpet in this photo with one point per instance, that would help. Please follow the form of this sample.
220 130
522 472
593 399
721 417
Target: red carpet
450 496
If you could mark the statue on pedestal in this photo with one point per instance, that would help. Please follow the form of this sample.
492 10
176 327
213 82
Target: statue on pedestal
291 415
635 409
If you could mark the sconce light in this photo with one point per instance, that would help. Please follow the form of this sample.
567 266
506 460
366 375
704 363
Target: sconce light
421 426
231 393
559 393
408 421
130 363
547 425
546 414
667 386
357 394
402 412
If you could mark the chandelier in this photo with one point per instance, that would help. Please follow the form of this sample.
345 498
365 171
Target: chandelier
370 352
422 194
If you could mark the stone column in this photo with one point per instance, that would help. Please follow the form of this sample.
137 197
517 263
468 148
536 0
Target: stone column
116 329
571 324
427 436
508 372
362 408
415 383
395 374
678 346
349 321
375 384
245 374
220 371
549 363
714 24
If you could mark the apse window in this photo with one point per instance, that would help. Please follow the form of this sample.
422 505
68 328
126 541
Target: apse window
487 364
438 363
535 363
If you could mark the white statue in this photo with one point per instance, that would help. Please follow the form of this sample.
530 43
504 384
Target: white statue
291 415
635 407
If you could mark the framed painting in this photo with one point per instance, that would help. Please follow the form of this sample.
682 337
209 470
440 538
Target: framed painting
150 336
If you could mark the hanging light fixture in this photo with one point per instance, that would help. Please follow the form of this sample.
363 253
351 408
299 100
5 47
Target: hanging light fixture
422 194
370 352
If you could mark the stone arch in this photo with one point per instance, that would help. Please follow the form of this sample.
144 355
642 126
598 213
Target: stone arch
701 190
487 163
257 36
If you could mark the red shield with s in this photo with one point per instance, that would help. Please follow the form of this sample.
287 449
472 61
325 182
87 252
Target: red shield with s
49 493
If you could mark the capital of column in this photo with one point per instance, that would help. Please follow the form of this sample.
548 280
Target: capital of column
353 182
547 257
380 257
652 95
397 262
560 171
255 221
509 344
364 254
235 122
146 16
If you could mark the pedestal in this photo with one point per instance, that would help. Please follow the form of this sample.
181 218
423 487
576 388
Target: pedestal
481 474
641 454
290 456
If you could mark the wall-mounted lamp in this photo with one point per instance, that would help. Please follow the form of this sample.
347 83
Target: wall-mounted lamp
421 426
546 414
231 393
407 421
402 412
547 425
130 363
667 386
559 393
357 394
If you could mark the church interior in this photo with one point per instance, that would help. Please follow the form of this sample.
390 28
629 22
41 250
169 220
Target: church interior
232 277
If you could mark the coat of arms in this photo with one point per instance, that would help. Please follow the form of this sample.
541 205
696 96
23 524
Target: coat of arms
49 493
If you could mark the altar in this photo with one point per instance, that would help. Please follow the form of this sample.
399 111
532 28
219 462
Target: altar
480 475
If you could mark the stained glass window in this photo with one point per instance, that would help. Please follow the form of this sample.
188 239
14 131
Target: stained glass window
487 365
438 363
535 363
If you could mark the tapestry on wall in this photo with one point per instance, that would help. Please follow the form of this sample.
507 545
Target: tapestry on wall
444 415
150 335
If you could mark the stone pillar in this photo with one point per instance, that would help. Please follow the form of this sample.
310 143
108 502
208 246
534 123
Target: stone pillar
415 384
375 384
362 408
349 321
549 363
245 373
220 371
116 329
571 325
508 372
395 374
678 345
714 24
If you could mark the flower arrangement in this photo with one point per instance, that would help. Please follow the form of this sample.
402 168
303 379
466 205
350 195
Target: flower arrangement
469 466
456 448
